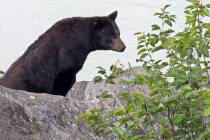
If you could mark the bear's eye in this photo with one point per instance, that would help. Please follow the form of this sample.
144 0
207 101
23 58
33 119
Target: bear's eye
114 35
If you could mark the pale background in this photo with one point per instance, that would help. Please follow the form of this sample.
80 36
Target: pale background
22 21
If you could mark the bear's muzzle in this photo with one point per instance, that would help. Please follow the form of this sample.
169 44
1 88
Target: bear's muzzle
118 45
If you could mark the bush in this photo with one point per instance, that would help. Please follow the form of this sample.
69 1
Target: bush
179 104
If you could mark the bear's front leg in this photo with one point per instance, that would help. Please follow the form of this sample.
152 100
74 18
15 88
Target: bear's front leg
63 83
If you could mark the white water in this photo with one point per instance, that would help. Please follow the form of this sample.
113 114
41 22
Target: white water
22 21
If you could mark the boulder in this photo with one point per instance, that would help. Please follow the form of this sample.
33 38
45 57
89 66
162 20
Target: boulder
32 116
88 91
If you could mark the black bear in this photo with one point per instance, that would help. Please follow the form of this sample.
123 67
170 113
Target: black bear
51 63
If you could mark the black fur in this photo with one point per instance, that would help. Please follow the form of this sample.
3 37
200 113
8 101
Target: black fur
51 63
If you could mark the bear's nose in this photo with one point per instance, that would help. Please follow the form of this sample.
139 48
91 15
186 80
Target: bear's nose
123 49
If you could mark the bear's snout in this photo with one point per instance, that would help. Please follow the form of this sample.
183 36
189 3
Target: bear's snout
118 45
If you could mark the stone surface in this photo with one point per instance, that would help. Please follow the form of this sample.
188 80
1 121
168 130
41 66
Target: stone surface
32 116
87 91
29 116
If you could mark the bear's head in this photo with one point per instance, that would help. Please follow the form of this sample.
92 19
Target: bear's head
106 34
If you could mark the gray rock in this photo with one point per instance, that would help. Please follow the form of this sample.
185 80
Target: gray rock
31 116
88 91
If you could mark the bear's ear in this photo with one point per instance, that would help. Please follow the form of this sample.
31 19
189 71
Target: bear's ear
113 15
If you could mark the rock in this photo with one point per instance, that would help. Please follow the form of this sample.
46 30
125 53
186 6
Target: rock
88 91
32 116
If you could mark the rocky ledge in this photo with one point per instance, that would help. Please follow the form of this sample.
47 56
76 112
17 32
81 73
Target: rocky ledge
32 116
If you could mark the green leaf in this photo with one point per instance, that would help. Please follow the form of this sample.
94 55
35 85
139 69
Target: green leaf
97 79
101 71
148 68
207 34
165 7
157 62
207 111
190 20
168 22
169 31
1 72
141 51
193 1
186 88
104 94
141 37
207 100
206 25
123 95
155 27
124 120
119 131
140 46
140 79
164 64
158 14
181 34
206 52
138 96
208 5
205 12
143 55
119 112
157 49
177 119
187 12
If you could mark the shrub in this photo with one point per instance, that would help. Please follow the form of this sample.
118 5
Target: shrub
179 103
